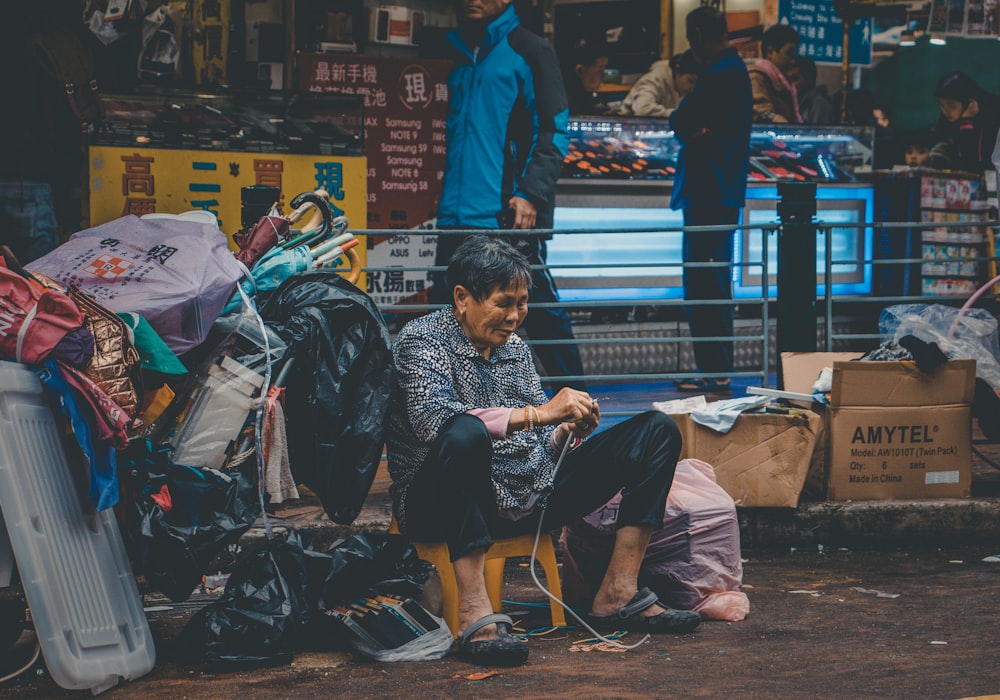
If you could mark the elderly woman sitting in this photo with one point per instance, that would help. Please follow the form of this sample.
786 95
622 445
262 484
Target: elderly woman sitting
473 443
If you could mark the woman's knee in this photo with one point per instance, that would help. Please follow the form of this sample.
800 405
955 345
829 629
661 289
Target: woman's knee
660 427
465 436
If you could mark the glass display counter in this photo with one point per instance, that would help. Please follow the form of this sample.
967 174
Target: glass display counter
239 121
633 148
617 179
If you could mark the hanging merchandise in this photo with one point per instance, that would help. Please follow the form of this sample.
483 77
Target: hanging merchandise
339 388
159 59
176 273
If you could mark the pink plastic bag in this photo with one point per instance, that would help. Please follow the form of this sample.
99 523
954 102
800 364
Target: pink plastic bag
692 562
178 274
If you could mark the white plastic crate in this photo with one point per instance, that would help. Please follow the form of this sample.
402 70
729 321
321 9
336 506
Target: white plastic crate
84 601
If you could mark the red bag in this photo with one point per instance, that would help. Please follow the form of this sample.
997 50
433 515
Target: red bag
32 320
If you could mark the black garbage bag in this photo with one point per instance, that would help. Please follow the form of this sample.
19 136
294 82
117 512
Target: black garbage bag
260 617
374 563
338 391
171 539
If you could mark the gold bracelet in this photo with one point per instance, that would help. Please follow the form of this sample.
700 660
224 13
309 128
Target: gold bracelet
529 422
537 418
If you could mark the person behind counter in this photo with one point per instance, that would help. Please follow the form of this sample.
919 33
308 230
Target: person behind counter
660 89
775 99
966 132
473 443
815 105
583 73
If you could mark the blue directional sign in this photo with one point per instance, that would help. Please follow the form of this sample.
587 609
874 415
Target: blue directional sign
822 33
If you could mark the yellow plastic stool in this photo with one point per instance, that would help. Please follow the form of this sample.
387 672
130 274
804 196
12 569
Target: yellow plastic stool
437 554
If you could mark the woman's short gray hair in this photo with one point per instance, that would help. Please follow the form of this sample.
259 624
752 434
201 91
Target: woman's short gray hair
483 264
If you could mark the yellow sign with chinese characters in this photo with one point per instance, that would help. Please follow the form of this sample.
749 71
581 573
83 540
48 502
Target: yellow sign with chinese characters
141 181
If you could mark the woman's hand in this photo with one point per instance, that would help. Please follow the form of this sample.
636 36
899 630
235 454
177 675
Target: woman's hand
576 409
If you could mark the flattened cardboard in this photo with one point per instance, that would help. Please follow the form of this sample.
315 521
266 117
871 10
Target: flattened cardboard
801 369
762 461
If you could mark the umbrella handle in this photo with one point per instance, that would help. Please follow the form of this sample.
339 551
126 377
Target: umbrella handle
355 274
301 210
323 205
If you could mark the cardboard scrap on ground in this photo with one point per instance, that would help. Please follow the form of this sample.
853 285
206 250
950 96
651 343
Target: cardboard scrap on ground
477 676
877 594
597 646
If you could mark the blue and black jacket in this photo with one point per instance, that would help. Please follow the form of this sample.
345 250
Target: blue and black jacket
712 167
506 126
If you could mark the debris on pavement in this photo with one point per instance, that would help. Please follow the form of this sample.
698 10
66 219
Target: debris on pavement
876 593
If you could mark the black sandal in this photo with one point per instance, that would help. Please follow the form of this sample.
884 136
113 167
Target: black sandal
505 650
628 617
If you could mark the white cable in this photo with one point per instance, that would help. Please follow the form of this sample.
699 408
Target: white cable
248 301
27 666
543 589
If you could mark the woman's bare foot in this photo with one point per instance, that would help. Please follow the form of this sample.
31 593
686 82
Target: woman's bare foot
607 603
472 610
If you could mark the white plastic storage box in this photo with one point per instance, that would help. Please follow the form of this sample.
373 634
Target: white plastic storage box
84 601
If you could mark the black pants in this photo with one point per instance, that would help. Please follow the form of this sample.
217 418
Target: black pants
710 283
452 499
559 360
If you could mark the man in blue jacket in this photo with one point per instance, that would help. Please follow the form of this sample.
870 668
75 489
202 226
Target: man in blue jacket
507 138
712 125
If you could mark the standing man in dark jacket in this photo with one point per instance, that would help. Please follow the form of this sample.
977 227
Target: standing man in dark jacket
507 138
712 125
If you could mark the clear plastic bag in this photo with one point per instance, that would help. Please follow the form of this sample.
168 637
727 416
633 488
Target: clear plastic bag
974 336
427 647
224 395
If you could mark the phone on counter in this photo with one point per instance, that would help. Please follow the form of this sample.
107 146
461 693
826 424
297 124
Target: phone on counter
506 218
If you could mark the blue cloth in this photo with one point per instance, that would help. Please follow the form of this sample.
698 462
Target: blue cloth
28 217
507 125
439 374
712 167
99 455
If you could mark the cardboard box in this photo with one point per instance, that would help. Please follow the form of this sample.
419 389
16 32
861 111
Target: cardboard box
762 461
893 432
799 372
898 433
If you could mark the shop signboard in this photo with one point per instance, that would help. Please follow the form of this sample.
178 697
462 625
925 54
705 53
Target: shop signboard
406 104
821 32
128 180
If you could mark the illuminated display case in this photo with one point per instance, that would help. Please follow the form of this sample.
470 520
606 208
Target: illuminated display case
617 180
633 148
270 121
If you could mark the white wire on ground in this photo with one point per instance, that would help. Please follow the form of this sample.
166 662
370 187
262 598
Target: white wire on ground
27 666
553 597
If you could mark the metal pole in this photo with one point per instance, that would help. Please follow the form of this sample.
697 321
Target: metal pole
845 68
796 303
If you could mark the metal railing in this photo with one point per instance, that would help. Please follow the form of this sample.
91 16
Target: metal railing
647 337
